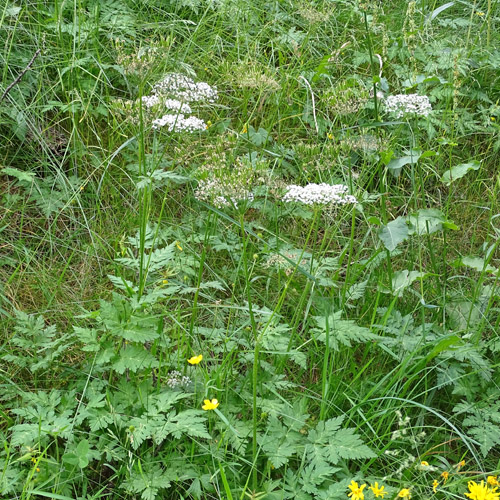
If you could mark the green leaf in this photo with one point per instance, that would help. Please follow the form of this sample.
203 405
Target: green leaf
393 233
478 264
134 358
18 174
401 280
459 171
79 457
426 221
395 166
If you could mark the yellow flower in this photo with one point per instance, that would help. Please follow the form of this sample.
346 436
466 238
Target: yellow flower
423 463
356 491
178 245
245 130
435 484
445 475
479 13
404 493
492 481
210 405
461 464
378 492
481 492
330 136
492 118
195 359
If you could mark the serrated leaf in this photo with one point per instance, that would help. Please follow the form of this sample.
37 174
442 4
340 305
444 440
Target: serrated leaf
20 175
134 358
458 171
394 233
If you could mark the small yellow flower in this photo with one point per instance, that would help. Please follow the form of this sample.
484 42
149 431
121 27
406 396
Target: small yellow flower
445 475
178 245
481 492
356 491
492 481
423 463
195 359
210 405
38 469
378 492
245 130
461 464
404 493
435 484
493 118
164 282
479 13
330 136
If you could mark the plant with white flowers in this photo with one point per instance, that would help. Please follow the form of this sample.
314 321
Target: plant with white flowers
408 105
319 194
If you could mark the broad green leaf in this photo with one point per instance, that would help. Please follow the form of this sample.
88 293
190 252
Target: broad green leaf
134 358
426 221
401 281
478 264
395 165
459 171
393 233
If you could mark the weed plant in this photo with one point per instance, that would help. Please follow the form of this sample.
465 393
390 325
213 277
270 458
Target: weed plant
249 249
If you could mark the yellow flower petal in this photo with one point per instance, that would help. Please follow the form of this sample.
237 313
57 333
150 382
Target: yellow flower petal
195 359
210 405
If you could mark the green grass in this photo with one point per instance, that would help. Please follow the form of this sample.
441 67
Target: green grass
344 343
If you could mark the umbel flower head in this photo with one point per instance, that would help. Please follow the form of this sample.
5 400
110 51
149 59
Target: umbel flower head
356 491
407 105
210 405
481 491
319 194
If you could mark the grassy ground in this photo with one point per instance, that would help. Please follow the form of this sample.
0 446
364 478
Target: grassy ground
346 344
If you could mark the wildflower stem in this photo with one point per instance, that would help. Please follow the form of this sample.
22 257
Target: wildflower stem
370 51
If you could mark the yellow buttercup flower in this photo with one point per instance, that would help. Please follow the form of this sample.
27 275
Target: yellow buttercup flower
423 463
195 359
404 493
481 492
435 484
445 475
210 405
378 492
356 491
461 464
492 481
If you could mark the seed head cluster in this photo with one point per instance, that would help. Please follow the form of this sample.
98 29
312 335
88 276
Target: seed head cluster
407 105
319 194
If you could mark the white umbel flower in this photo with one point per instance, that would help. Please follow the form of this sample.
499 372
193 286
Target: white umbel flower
402 105
185 89
179 123
319 194
150 101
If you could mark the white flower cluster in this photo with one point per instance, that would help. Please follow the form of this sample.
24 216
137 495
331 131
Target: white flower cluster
174 93
180 123
408 105
319 194
176 379
222 194
185 89
150 101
